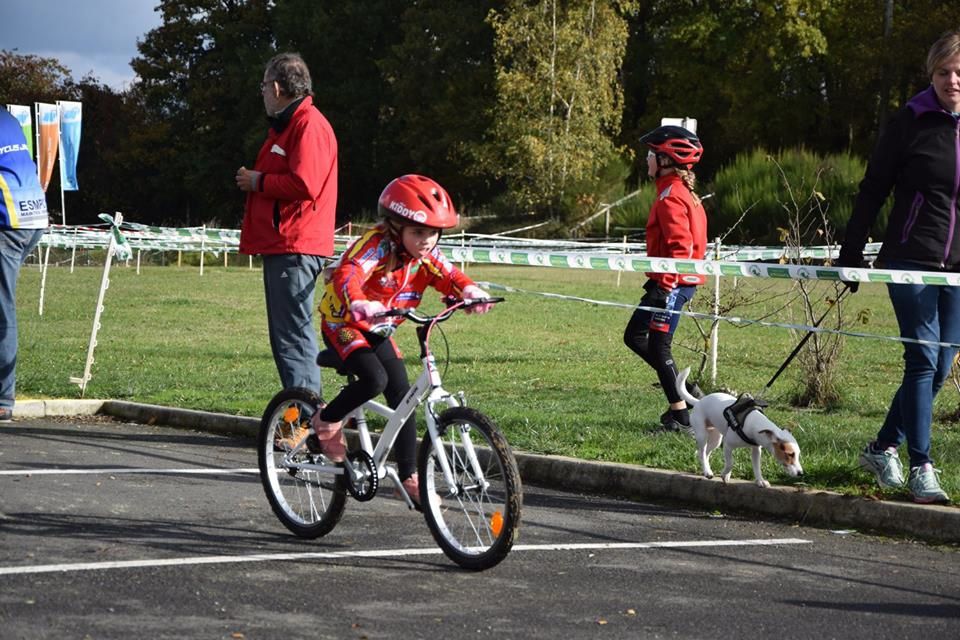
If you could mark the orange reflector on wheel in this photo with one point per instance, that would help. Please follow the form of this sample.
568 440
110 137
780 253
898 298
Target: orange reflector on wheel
496 523
292 414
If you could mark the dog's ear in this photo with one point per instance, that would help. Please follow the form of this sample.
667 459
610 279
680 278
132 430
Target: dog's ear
768 434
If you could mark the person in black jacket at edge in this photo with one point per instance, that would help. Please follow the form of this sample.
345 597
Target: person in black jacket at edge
918 157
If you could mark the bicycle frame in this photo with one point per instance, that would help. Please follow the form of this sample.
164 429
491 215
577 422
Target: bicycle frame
426 390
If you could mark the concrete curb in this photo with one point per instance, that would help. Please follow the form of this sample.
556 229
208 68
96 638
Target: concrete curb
202 420
49 408
806 506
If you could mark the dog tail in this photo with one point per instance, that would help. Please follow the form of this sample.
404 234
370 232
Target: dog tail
682 388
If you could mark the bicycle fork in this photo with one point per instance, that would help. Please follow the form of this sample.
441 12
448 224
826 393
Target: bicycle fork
438 396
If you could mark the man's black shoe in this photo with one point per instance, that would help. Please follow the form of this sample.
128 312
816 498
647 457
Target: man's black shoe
6 414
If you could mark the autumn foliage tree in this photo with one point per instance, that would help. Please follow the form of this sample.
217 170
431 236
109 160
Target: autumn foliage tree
558 98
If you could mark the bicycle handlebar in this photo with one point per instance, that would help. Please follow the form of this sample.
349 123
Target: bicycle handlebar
452 305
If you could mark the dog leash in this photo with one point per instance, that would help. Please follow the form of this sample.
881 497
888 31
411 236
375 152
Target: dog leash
796 350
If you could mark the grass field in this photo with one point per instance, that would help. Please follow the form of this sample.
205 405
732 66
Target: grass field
553 373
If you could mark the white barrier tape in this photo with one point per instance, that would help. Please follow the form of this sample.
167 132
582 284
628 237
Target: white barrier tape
736 320
148 239
743 253
621 262
518 251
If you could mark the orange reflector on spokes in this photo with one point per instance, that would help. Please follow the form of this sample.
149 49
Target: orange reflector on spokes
496 523
292 414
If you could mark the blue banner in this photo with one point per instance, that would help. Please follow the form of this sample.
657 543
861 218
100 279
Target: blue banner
70 115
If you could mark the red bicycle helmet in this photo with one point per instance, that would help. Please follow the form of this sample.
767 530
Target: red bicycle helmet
418 200
681 145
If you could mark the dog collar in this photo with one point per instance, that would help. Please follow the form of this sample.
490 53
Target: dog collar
737 413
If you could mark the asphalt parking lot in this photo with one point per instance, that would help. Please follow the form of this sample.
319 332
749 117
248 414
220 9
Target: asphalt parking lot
119 530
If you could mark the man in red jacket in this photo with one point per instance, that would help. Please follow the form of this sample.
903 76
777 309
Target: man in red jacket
290 213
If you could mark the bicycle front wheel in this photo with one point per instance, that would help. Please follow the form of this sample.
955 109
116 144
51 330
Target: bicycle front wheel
475 520
308 503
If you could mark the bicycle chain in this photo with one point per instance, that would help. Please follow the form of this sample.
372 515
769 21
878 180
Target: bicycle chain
367 481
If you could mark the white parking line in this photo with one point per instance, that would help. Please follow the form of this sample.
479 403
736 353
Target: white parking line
66 472
381 553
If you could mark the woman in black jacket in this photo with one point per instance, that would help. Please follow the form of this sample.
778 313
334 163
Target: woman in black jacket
918 157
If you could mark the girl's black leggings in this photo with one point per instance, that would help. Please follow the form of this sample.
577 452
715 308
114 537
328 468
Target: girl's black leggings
378 370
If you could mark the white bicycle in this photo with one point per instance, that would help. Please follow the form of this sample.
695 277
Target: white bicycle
463 458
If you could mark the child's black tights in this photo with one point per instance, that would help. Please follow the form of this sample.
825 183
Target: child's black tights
378 370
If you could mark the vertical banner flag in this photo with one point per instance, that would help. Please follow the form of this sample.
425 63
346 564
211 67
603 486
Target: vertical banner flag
48 133
22 114
69 143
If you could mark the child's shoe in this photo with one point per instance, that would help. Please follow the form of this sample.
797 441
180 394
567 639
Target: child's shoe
411 486
330 437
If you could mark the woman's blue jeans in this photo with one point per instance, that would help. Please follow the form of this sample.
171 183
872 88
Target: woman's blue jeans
924 312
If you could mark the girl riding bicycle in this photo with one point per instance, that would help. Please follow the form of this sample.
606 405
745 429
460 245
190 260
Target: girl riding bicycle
387 267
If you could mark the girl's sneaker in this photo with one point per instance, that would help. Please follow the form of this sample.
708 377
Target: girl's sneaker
925 486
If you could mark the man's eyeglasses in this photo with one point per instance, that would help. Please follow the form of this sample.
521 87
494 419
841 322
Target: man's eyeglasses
266 83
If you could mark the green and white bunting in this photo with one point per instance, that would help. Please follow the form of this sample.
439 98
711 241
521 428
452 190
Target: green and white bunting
742 262
643 264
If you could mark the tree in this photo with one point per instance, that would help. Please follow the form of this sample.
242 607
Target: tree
343 43
747 71
25 79
439 88
108 180
198 76
559 98
105 183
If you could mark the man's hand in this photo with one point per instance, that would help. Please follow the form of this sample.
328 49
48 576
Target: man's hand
247 179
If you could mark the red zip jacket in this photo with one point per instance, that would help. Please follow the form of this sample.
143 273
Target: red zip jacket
676 228
376 268
294 208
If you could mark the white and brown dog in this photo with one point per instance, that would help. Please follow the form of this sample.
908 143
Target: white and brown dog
737 423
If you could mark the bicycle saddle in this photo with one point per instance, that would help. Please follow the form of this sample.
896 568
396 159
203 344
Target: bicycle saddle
328 358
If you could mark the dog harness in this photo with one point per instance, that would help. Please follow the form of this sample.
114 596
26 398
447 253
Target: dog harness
737 413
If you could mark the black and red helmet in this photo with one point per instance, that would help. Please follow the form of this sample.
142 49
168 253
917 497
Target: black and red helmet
679 144
414 199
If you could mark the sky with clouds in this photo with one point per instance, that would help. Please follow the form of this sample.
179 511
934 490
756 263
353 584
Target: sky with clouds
86 36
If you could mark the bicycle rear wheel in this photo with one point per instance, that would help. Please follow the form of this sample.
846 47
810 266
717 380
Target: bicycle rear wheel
474 522
308 503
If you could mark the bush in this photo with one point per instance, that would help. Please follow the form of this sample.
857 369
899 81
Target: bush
770 187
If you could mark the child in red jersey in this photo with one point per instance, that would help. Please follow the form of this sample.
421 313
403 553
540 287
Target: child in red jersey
388 267
676 228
